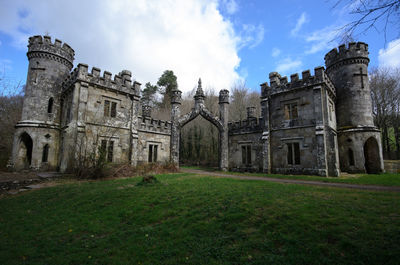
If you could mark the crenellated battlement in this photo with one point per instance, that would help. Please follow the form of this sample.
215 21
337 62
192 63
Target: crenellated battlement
40 46
279 84
150 125
249 125
121 82
355 50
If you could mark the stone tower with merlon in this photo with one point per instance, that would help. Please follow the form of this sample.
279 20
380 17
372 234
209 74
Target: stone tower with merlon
358 139
36 141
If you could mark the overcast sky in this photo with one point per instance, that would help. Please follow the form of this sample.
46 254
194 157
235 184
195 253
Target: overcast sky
224 42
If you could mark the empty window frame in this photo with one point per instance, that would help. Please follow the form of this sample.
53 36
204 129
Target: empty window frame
291 111
50 106
351 157
246 154
153 150
293 154
110 109
45 154
107 150
110 151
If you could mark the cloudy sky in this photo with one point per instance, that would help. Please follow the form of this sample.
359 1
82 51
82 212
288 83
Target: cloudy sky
224 42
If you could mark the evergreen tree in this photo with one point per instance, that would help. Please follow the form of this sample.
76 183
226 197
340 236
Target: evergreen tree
167 83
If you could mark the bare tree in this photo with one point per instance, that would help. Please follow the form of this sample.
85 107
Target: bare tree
370 14
11 99
237 107
385 94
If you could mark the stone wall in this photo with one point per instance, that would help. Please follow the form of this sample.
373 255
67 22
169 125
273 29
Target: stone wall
236 142
153 138
301 116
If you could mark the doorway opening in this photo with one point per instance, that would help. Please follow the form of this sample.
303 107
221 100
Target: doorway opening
25 152
371 155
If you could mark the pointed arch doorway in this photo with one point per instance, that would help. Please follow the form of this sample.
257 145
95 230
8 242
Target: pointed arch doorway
221 122
25 151
372 157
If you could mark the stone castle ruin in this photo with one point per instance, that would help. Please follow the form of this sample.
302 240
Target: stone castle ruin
320 124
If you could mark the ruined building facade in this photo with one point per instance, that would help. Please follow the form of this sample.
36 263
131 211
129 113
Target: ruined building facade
318 124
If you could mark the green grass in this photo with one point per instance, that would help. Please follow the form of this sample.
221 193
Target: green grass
187 219
386 179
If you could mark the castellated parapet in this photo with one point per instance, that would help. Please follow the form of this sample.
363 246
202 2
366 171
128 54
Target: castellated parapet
43 47
176 97
224 96
279 84
121 82
249 125
354 53
148 124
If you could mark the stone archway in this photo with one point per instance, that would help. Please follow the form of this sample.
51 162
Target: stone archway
25 151
371 156
221 122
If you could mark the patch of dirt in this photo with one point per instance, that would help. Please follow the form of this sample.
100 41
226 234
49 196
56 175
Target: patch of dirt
17 176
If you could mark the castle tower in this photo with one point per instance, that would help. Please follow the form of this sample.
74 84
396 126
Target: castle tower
36 140
358 139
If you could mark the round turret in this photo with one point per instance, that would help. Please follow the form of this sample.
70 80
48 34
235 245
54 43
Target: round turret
49 65
358 139
348 71
37 135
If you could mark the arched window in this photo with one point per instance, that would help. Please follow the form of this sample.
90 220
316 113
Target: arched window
50 106
45 154
351 157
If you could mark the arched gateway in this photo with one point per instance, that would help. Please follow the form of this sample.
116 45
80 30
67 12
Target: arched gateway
220 122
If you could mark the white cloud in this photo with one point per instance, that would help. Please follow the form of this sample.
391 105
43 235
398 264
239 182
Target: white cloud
191 38
300 22
231 6
322 39
390 57
289 66
275 52
251 36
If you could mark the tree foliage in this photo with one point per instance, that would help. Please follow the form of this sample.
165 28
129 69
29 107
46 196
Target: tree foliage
167 83
149 95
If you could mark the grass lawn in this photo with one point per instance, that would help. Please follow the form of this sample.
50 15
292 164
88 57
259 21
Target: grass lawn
188 219
386 179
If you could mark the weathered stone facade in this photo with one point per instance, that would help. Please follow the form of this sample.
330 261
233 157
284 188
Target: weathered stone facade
69 115
320 124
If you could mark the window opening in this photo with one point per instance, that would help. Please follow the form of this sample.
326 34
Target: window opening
45 154
351 157
110 151
291 111
246 154
50 106
106 108
293 155
113 109
153 150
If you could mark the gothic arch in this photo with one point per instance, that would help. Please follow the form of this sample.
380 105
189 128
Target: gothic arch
24 154
372 157
178 122
205 113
